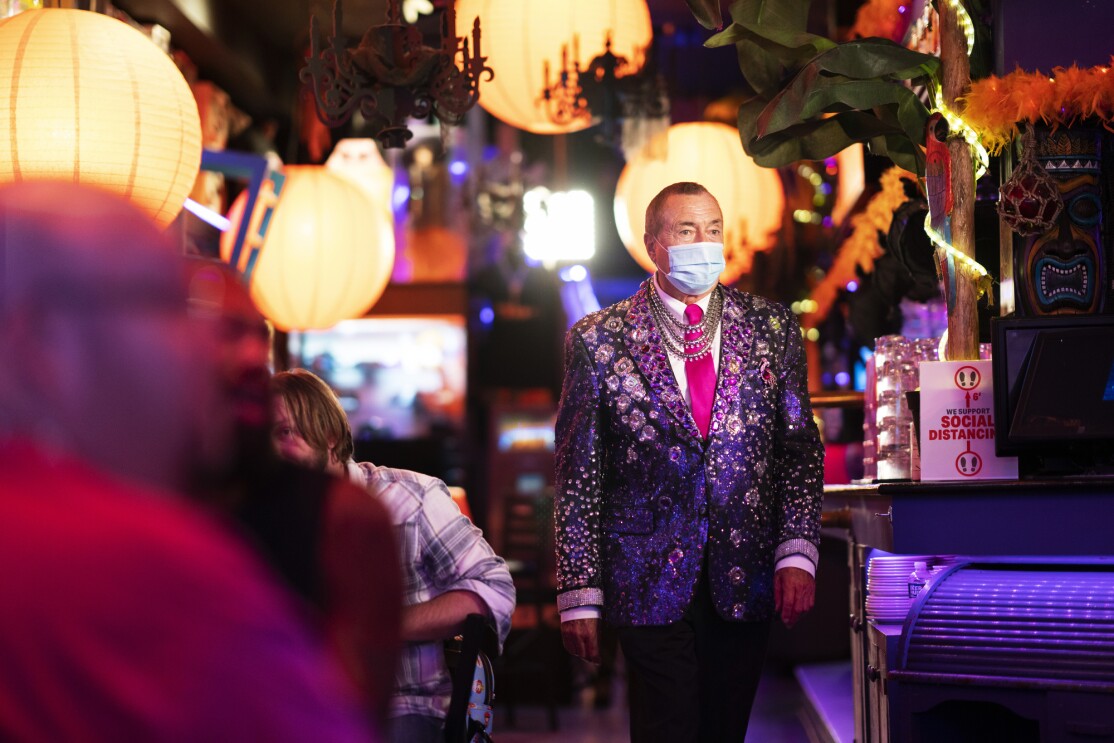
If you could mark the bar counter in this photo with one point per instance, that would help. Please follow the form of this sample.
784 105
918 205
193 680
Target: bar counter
1069 517
1052 522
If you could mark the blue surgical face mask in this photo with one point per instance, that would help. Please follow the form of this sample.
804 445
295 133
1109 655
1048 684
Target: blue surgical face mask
694 268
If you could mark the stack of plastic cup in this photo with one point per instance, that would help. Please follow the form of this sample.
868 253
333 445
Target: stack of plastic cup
870 469
896 373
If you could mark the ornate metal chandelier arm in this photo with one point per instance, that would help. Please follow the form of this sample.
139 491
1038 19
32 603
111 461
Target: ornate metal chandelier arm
474 64
394 12
336 86
455 89
564 97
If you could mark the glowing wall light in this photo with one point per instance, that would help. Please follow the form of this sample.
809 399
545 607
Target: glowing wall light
559 226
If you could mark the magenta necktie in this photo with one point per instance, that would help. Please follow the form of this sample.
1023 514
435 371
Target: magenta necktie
701 373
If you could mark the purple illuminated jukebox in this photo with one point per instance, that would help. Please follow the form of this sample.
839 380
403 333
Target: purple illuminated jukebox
1064 267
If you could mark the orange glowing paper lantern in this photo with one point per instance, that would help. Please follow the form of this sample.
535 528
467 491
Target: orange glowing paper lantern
520 36
711 154
327 255
87 98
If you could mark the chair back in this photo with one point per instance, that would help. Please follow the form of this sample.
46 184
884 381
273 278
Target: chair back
468 657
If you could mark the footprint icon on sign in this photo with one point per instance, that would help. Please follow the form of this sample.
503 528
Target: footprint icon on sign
967 378
968 464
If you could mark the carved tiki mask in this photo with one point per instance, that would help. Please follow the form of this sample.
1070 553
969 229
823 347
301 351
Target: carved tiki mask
1064 270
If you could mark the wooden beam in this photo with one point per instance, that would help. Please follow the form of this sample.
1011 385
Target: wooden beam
963 320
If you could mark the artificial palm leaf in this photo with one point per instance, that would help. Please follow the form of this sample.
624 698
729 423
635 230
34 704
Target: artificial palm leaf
814 97
706 12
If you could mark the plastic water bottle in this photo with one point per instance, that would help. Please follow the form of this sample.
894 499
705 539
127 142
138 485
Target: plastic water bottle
918 579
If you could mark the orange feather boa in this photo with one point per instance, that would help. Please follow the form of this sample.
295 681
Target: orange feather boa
995 105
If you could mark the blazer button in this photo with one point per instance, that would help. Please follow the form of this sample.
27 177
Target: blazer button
736 575
665 501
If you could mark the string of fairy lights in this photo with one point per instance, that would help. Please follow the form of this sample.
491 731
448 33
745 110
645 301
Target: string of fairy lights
965 23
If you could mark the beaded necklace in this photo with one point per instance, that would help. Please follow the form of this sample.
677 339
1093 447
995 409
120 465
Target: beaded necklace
673 330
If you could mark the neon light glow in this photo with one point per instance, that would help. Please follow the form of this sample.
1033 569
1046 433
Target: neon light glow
559 226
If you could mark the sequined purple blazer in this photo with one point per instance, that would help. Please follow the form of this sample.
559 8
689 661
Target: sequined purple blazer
641 500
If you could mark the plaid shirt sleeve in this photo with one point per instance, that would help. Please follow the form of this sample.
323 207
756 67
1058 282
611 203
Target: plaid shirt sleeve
456 557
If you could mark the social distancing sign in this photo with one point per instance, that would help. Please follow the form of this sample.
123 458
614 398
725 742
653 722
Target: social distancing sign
957 423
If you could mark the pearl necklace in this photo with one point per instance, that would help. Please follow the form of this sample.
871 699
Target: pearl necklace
673 330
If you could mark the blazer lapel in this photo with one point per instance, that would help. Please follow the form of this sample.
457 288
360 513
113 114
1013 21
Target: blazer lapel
736 341
644 343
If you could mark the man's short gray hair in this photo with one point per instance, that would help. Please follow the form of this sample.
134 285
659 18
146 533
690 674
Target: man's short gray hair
654 208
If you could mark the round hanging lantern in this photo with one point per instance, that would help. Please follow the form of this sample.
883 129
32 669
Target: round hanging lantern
327 255
710 154
86 98
520 36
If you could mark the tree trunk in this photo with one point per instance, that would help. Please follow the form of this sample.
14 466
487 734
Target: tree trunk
963 320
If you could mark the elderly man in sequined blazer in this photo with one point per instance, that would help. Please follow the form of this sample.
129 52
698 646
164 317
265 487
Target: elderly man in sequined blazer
689 481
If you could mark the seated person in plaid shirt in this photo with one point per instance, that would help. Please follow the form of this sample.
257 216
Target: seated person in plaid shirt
449 570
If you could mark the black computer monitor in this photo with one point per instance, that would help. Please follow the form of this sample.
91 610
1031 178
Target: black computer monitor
1054 387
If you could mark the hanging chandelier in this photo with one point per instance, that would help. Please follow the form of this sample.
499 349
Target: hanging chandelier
620 95
392 75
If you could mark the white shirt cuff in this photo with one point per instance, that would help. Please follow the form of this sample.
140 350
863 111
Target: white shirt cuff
790 561
581 612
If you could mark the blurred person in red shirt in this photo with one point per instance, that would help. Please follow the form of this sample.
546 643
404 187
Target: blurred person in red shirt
128 616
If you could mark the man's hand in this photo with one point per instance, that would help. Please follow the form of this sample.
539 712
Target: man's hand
794 591
582 638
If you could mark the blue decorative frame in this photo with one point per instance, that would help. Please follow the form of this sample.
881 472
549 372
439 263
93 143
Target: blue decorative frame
255 169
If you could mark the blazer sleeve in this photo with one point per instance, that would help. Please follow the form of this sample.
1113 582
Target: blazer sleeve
577 493
799 453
